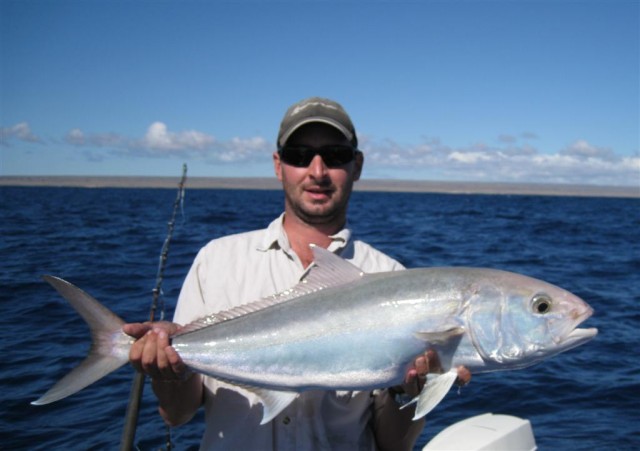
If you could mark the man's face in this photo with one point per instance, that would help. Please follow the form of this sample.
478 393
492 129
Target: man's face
318 194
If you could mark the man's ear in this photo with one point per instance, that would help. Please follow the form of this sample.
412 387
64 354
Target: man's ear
277 165
358 164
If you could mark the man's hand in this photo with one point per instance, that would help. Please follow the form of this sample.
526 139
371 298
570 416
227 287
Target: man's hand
179 390
394 428
423 365
152 353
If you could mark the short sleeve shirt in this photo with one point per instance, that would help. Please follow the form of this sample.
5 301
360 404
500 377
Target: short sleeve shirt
242 268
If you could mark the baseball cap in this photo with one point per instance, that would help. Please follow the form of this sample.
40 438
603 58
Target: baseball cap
316 109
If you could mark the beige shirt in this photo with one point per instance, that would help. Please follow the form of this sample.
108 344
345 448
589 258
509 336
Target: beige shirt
242 268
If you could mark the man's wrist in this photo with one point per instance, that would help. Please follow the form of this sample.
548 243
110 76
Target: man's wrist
398 394
184 377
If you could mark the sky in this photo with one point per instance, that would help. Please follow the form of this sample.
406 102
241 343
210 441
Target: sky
499 91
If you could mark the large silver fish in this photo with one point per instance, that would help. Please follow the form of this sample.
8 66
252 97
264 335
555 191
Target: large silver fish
341 329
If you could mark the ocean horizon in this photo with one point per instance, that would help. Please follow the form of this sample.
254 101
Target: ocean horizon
366 185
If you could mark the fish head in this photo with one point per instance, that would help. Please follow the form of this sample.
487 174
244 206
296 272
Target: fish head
516 321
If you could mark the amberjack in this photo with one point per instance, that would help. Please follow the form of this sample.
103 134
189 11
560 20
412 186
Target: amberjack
342 329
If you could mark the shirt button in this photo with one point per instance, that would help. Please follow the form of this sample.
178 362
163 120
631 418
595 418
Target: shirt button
286 420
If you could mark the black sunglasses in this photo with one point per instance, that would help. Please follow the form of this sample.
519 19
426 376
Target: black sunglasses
332 155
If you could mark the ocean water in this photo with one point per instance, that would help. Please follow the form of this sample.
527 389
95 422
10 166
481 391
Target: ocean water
108 241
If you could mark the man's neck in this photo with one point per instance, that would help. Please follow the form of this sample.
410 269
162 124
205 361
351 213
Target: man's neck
302 234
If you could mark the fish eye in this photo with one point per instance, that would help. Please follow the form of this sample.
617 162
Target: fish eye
541 304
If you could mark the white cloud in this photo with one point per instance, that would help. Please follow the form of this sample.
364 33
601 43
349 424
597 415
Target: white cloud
582 149
579 163
75 136
238 149
512 158
20 131
469 157
160 141
159 138
78 138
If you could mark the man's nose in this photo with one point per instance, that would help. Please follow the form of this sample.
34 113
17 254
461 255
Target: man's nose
317 168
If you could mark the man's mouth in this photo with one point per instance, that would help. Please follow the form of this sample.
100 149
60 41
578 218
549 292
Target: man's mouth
319 193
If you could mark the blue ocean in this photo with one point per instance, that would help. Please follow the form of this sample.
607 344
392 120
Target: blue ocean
108 242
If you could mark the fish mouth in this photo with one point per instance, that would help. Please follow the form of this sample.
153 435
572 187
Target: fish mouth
578 337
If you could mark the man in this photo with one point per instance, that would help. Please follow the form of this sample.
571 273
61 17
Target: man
317 162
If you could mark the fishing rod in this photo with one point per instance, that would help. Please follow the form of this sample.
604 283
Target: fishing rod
131 417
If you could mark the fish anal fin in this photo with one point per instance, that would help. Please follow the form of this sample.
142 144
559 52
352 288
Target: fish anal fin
273 402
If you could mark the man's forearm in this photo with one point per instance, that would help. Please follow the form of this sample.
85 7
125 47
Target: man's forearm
178 401
394 429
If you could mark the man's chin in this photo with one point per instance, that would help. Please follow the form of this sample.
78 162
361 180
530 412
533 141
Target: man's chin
319 213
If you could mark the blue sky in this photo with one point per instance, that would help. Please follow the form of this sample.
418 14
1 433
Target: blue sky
530 91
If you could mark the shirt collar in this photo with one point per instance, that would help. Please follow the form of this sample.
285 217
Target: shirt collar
276 238
340 239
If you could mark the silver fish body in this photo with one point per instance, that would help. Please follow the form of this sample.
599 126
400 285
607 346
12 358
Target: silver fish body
367 333
340 329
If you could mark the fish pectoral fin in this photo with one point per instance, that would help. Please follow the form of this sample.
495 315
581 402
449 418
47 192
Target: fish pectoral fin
441 337
273 402
436 388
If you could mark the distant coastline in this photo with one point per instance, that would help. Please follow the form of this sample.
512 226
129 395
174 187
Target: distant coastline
363 185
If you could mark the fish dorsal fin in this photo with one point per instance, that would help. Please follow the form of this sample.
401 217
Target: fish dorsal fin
327 270
226 315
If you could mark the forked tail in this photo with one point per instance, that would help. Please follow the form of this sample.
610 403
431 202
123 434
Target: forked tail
109 347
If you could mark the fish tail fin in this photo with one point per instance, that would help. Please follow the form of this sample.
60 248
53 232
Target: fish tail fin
109 348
